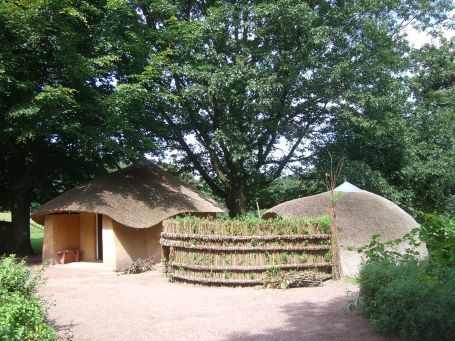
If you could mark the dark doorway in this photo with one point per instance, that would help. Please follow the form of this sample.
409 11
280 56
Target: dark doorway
99 236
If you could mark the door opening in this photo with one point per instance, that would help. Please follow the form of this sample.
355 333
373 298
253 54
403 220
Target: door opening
99 237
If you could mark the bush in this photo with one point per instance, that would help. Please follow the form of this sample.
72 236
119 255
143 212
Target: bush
402 295
402 299
16 277
22 312
438 232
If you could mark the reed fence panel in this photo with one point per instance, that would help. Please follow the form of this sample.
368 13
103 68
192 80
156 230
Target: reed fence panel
243 254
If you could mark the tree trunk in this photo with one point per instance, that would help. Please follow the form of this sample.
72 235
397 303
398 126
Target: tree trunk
20 205
20 223
236 200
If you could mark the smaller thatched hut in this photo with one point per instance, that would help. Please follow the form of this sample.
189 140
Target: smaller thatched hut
117 218
360 215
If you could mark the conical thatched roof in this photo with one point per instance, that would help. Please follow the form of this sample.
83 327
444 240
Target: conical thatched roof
360 215
139 196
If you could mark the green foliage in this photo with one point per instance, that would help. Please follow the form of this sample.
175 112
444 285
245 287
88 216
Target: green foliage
325 222
401 145
61 119
17 277
328 256
407 296
250 225
287 188
429 172
230 81
304 257
22 312
402 299
438 232
273 272
376 250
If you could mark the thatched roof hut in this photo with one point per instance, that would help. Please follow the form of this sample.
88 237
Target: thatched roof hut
117 218
360 215
139 196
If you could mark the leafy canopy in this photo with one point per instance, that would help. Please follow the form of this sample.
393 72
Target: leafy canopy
231 81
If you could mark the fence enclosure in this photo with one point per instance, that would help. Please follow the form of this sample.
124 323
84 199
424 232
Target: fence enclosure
242 253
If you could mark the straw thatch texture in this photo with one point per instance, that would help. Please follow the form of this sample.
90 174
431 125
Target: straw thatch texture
360 215
138 196
251 258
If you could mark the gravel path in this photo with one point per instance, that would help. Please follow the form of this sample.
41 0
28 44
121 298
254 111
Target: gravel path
102 305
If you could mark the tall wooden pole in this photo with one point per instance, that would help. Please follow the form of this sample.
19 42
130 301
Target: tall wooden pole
330 180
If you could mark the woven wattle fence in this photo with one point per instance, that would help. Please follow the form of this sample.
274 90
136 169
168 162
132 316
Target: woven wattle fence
236 253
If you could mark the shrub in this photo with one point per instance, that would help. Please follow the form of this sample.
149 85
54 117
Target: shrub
403 295
22 312
438 232
403 299
15 276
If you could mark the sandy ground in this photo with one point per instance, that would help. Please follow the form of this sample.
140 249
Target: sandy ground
102 305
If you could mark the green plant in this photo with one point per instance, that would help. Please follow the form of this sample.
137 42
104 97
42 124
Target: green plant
377 250
15 276
403 295
328 256
303 257
272 272
403 299
438 232
324 223
22 312
284 257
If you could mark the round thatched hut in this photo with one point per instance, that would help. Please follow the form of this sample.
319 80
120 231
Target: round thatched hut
360 215
117 218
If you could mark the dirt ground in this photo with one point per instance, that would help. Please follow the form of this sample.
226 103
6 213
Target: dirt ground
102 305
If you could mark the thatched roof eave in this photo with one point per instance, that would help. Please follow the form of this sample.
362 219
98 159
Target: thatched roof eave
139 196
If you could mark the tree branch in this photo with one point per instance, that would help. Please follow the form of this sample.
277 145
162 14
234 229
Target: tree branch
194 159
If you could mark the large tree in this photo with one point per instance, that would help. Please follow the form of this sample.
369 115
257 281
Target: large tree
403 145
60 119
235 80
430 172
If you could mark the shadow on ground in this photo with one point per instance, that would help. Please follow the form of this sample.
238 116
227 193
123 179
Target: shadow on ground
314 321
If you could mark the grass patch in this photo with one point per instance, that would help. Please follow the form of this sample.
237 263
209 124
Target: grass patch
36 232
352 280
36 239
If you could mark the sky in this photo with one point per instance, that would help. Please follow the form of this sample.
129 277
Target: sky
419 38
